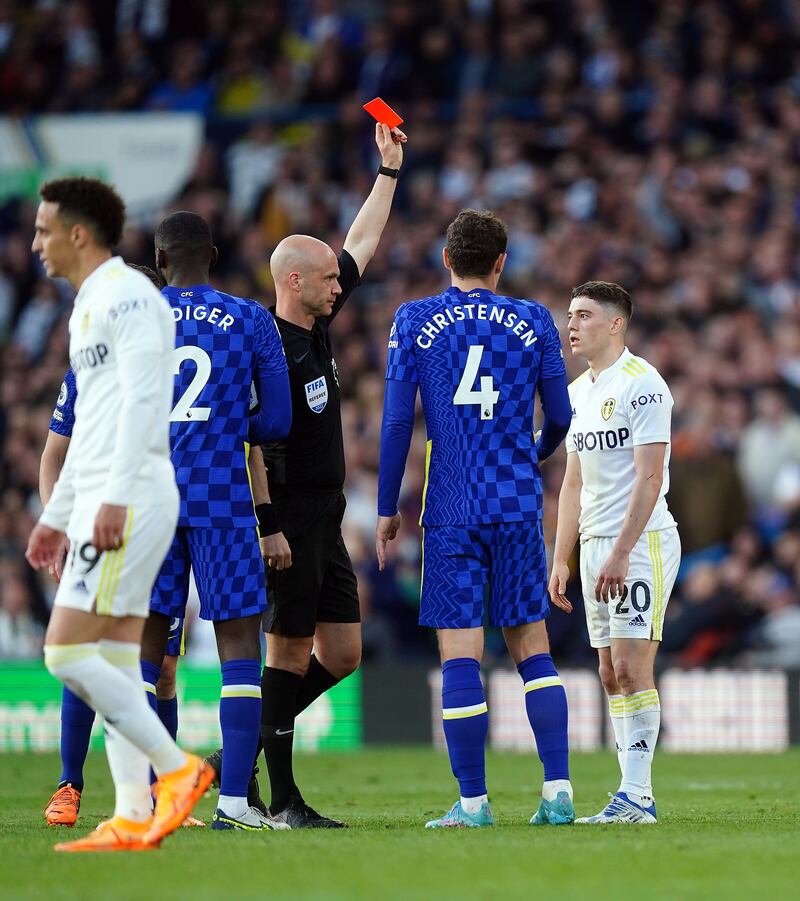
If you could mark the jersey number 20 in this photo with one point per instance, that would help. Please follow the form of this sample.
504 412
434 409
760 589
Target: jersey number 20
487 397
183 411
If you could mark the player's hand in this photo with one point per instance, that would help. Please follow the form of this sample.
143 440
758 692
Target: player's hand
109 527
276 551
386 531
557 587
610 582
43 546
56 568
390 144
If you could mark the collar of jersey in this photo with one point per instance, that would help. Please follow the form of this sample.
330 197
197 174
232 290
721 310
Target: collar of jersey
172 291
612 369
305 332
93 276
484 292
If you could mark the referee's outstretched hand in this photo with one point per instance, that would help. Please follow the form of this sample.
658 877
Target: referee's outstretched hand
386 531
276 551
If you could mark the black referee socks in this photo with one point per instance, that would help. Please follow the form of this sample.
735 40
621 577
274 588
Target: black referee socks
316 682
278 705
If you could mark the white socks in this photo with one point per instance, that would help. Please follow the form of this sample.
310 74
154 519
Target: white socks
233 806
551 789
101 674
616 710
473 805
642 723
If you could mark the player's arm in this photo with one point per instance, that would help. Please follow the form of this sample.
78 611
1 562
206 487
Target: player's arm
274 417
569 510
557 415
274 546
552 388
51 464
50 467
47 539
648 462
365 232
396 431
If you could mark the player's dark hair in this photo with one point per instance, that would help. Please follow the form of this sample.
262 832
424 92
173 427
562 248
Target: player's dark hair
474 242
88 202
154 277
608 294
185 237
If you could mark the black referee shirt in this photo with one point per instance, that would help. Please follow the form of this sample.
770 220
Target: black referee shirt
311 458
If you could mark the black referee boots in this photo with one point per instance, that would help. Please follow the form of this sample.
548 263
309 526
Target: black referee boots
298 815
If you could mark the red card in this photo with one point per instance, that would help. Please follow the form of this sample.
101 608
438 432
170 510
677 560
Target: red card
382 112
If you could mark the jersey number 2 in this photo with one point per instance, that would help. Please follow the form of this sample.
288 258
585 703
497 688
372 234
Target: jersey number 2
487 397
183 411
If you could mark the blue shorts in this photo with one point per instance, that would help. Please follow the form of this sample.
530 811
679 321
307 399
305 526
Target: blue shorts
176 646
459 562
228 571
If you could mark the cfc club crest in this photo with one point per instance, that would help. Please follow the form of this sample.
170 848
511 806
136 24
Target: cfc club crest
317 394
608 408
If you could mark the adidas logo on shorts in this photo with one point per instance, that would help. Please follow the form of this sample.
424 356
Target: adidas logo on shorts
80 586
639 746
638 620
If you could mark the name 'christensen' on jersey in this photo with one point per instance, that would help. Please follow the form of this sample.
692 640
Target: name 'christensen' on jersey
477 359
629 404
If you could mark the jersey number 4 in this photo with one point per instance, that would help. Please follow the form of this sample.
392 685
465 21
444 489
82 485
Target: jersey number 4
487 397
183 411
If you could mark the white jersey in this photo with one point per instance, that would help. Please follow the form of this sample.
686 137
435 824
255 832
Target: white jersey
628 404
122 335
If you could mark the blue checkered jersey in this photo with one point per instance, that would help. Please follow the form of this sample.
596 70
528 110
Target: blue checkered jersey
477 359
63 418
224 345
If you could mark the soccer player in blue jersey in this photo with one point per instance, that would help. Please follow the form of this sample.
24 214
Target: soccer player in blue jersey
77 718
224 346
478 359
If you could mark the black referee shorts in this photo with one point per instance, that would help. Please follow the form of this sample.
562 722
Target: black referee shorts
320 585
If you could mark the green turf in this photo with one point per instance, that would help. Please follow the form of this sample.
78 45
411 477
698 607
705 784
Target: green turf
729 828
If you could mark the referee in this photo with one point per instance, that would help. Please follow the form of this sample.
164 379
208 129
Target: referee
311 586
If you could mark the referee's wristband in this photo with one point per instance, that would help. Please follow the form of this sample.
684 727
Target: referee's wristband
385 170
267 520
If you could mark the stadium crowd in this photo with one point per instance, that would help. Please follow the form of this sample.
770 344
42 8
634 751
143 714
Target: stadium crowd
654 144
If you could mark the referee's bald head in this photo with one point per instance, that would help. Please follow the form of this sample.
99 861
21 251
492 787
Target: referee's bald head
298 253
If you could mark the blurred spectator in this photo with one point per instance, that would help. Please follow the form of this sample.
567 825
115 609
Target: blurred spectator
20 634
770 448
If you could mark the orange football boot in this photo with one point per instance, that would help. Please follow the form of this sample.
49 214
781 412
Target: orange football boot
116 834
178 792
62 809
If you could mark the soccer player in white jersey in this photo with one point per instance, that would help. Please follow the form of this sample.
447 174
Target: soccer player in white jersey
117 501
613 498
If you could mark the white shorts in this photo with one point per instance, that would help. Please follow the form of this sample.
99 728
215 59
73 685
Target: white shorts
120 582
640 612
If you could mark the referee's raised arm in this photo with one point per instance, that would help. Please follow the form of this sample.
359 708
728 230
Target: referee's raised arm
365 232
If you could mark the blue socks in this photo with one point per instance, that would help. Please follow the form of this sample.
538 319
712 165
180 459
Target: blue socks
167 709
546 704
466 724
76 730
240 719
150 676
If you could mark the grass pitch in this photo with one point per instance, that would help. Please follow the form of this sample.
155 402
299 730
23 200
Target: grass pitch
729 828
